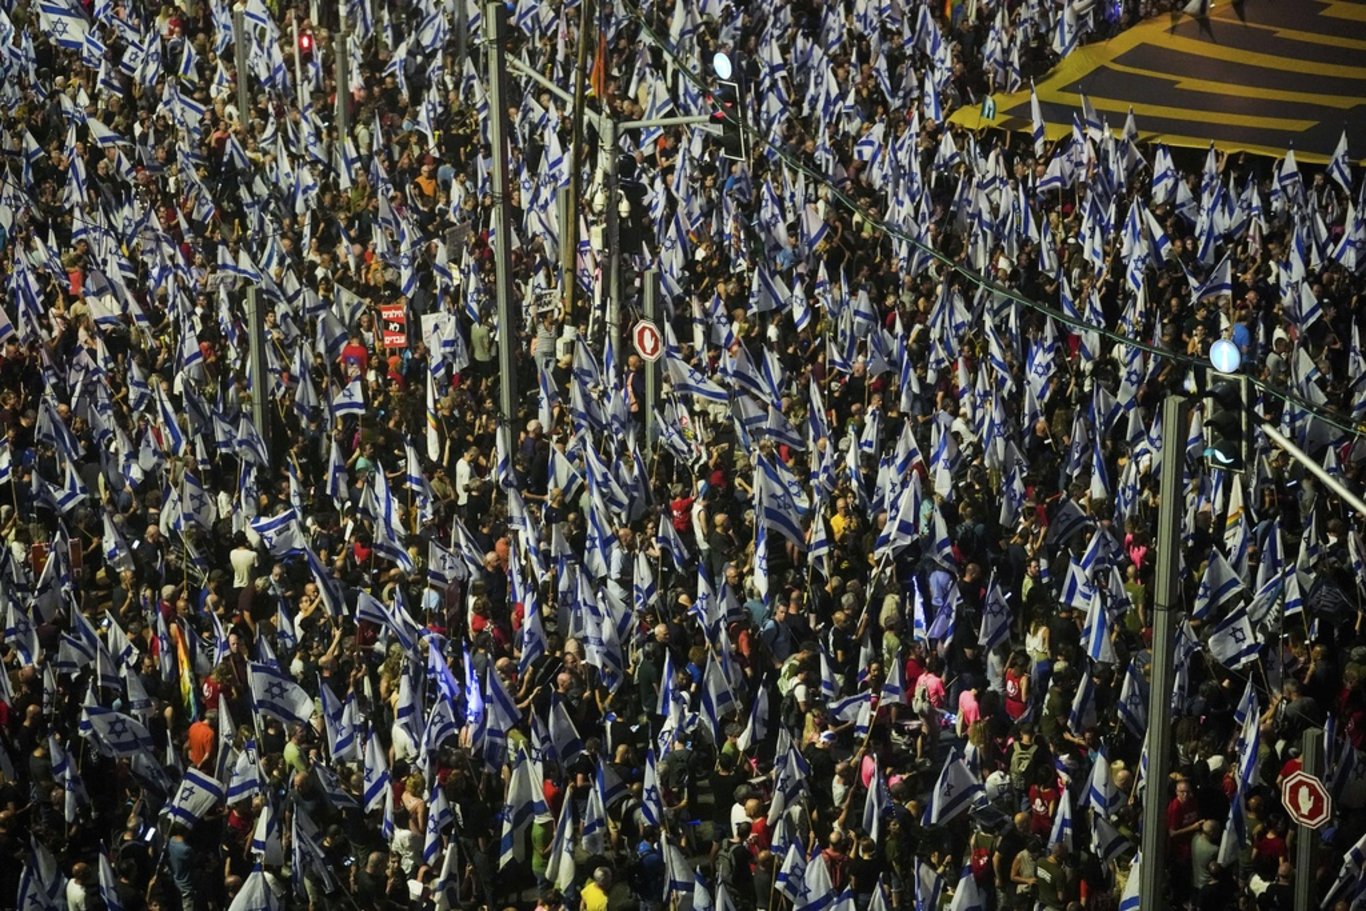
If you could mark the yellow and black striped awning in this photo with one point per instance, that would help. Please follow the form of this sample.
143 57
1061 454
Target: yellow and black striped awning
1260 76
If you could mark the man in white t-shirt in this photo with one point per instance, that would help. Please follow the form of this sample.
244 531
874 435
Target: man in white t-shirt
243 560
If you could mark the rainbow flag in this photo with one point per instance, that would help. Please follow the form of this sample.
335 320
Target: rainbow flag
187 687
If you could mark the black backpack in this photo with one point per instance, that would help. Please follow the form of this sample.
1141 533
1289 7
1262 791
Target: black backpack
791 711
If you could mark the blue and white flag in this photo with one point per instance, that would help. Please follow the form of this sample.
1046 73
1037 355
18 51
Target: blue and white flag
246 780
376 774
651 803
274 694
115 733
1062 821
281 533
1133 701
1340 167
1101 794
1106 841
1130 899
255 894
64 26
1219 586
265 837
791 879
1036 122
339 719
995 628
955 791
397 621
525 800
109 890
350 399
42 886
718 700
1096 634
1233 643
560 865
197 795
688 381
563 735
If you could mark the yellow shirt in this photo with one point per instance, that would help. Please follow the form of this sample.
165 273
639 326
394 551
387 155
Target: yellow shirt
594 899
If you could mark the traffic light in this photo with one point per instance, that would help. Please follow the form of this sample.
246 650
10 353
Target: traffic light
1227 431
728 113
305 43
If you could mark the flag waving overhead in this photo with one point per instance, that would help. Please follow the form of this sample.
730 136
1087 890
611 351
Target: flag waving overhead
198 793
273 693
956 790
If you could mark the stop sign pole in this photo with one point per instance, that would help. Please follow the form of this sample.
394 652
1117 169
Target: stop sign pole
1306 847
651 281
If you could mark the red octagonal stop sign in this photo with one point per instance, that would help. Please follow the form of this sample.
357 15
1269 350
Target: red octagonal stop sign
648 342
1306 800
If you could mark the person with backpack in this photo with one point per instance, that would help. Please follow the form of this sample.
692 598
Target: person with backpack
1025 752
981 850
734 866
647 871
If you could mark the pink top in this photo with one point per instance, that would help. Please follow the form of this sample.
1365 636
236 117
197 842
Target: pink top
934 689
866 769
969 711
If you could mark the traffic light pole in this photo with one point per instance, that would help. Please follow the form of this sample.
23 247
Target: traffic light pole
1306 846
1327 480
607 135
570 263
1175 417
495 19
239 54
518 68
651 279
608 132
298 65
343 74
256 327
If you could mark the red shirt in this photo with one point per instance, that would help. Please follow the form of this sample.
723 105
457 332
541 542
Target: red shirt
1181 816
1290 768
837 864
911 673
758 831
1041 803
357 355
1015 704
210 690
681 511
1270 848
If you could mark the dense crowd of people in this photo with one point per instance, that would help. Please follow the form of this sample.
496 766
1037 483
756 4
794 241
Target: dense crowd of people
856 613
